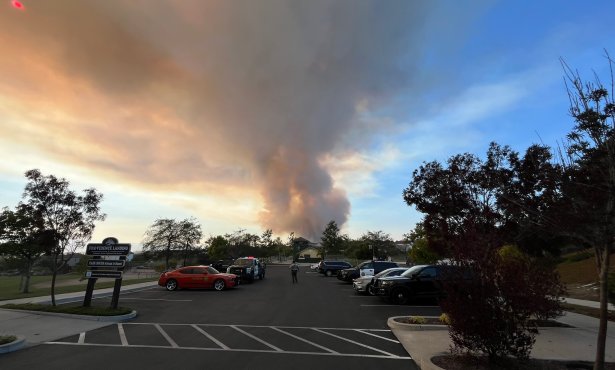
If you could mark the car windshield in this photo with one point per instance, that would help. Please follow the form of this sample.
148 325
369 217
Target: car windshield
412 270
212 270
243 262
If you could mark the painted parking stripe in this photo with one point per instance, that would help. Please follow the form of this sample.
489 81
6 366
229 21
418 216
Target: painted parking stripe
357 343
304 340
156 299
210 337
81 338
391 357
377 336
120 329
256 338
166 336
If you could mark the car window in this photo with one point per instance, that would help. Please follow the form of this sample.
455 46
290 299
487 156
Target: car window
428 272
413 270
185 271
212 270
395 273
366 265
199 270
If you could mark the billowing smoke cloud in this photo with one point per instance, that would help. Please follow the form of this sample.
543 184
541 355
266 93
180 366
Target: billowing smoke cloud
216 93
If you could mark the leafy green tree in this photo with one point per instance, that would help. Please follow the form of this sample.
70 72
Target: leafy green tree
473 207
420 253
190 235
380 243
23 240
68 219
332 240
588 207
166 235
218 247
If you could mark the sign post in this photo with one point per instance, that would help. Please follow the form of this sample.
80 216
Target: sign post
102 267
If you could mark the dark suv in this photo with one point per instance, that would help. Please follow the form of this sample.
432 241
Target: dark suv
330 268
367 268
421 281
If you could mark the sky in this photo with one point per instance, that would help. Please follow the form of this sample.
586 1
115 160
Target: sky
282 115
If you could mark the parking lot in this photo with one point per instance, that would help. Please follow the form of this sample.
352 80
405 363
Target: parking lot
318 323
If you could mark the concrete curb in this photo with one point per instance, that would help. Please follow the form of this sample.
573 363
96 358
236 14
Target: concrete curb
116 318
414 327
14 345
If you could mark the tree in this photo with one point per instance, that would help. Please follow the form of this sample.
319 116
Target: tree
67 218
190 235
380 243
588 209
473 208
332 240
168 235
218 247
23 240
420 253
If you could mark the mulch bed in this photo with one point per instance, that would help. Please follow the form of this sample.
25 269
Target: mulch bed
452 362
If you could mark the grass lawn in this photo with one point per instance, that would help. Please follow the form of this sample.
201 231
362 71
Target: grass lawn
9 285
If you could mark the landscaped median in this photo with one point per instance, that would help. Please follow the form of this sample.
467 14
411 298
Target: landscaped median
10 343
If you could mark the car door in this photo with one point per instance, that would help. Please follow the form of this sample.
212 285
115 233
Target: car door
184 277
201 278
425 284
366 269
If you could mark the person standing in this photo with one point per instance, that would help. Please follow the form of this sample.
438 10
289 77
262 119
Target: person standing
294 268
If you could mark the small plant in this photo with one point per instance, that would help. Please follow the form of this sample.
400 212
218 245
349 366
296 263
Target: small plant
444 319
4 339
420 320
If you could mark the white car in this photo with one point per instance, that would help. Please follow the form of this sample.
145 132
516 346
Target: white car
363 283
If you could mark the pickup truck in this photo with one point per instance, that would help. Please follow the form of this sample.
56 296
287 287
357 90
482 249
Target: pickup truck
330 268
247 268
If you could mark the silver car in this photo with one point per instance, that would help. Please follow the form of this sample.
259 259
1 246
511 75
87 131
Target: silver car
363 284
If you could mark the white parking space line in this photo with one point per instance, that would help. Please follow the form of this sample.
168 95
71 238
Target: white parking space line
357 343
377 336
304 340
240 350
210 337
156 299
257 338
166 336
81 338
384 305
120 329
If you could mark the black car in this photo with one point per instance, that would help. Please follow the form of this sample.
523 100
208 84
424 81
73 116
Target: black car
247 268
421 281
367 268
330 268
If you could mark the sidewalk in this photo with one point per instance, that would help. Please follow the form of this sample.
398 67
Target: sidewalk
44 327
572 344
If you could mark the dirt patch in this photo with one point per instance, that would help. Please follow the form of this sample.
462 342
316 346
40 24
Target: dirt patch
452 362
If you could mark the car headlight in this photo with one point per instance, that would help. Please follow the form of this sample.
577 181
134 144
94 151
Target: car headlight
385 283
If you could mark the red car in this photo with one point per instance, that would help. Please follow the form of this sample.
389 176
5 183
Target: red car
197 277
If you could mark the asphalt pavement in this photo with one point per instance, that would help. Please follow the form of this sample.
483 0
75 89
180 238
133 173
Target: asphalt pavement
319 322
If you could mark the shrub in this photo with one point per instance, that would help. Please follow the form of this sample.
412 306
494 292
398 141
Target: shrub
444 319
420 320
4 339
490 312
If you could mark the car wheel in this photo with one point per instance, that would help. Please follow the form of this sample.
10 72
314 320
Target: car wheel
171 285
219 285
400 296
328 273
368 289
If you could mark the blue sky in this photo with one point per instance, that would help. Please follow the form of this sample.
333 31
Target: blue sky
277 114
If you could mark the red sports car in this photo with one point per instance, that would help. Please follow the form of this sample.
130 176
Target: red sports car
198 277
